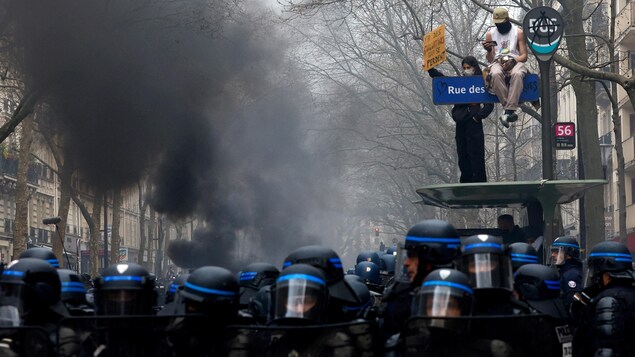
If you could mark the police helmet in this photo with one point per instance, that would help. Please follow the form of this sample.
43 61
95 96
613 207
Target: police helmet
443 293
539 286
124 289
254 277
392 250
211 289
368 272
612 258
358 310
301 295
434 241
564 247
41 253
260 305
329 262
368 256
175 285
521 254
388 262
27 286
486 263
73 290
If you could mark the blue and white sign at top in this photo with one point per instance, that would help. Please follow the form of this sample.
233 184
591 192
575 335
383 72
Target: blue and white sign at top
471 89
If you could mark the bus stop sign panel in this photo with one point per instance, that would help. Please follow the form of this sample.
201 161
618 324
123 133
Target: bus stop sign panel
565 135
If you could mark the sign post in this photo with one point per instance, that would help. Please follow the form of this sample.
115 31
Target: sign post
543 27
434 48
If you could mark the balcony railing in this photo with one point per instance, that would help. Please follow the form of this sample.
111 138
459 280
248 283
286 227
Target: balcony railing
625 25
628 146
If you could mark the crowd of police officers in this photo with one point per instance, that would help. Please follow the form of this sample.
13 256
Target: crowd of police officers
435 294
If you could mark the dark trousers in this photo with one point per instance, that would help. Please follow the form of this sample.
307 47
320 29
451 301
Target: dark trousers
470 146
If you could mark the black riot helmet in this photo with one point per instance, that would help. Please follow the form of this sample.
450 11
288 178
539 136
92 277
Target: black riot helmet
368 256
443 293
392 250
28 286
562 248
521 254
301 296
388 262
485 262
612 258
42 254
434 242
254 277
539 286
361 289
73 290
124 289
212 291
260 305
175 285
368 272
329 262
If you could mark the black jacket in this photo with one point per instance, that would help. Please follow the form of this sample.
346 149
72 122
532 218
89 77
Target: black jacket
464 112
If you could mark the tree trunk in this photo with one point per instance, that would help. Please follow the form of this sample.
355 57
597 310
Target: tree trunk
143 205
586 108
95 234
115 238
65 175
22 196
151 234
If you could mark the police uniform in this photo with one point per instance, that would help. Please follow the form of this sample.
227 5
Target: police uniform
570 280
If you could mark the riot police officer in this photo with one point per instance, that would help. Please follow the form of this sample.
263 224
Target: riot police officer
74 294
488 266
173 288
429 245
565 254
125 290
210 298
370 274
301 296
325 259
609 318
521 254
368 256
387 268
253 278
30 291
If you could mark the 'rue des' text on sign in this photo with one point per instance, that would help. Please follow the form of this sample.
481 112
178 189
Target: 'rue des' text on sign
471 89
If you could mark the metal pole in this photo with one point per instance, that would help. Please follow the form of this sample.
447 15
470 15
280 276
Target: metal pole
547 147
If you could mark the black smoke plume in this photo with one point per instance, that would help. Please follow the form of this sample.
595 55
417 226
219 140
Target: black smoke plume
198 94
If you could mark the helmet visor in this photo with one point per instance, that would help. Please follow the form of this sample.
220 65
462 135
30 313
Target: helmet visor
124 302
558 255
439 301
401 273
488 270
300 299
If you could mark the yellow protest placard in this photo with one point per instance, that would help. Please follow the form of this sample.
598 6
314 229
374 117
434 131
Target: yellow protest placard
434 48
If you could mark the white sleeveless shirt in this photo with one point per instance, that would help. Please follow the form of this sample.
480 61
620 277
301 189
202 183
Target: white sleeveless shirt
505 43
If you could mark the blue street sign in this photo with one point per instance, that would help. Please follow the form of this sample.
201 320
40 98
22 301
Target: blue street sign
471 89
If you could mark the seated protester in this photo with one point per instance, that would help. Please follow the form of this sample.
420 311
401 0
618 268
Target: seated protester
210 298
521 254
488 266
253 278
74 294
370 275
301 296
325 259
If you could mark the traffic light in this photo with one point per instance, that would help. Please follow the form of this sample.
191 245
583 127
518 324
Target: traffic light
376 231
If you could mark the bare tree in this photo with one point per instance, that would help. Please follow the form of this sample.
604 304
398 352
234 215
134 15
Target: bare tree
20 235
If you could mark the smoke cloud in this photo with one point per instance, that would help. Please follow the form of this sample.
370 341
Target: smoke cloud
199 95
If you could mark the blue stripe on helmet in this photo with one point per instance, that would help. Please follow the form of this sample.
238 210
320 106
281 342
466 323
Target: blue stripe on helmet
526 256
524 260
209 291
628 257
554 282
248 275
173 288
449 284
335 260
560 244
75 284
433 239
312 278
54 262
337 265
454 245
123 278
13 273
73 290
624 259
286 264
484 245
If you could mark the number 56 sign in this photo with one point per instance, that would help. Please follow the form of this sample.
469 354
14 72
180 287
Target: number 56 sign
565 135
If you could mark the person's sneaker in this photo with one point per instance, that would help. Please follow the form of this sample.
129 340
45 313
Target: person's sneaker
504 119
